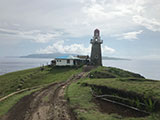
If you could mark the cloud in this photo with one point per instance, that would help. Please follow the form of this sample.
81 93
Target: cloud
39 21
45 37
8 31
79 17
34 35
151 24
114 16
129 35
60 47
111 16
108 50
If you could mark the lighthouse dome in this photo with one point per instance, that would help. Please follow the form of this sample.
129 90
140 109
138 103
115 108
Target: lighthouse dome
96 32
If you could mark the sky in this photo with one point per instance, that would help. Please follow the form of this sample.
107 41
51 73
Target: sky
129 28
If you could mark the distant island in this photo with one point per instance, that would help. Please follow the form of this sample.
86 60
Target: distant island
51 55
54 55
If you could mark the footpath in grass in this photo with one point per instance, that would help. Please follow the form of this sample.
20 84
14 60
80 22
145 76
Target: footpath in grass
9 102
81 100
16 81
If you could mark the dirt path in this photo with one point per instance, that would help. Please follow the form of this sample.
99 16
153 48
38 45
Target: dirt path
46 104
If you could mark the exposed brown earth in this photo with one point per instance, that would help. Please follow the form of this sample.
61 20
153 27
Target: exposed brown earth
49 103
108 107
46 104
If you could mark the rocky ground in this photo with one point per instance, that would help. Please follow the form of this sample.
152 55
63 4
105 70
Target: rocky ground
47 104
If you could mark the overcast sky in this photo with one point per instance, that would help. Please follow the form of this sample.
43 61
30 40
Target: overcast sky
129 28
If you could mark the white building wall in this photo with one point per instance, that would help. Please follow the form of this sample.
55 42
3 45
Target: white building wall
64 63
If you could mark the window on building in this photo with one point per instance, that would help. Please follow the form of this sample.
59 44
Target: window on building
58 60
68 61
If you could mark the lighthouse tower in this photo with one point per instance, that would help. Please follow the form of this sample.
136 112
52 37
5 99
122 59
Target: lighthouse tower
96 56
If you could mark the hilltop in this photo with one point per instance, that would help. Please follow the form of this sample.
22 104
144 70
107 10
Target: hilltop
110 93
78 94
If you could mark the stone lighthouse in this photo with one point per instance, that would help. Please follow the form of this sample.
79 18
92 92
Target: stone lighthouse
96 55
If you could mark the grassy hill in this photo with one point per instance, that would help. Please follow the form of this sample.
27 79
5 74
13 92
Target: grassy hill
122 86
16 81
119 85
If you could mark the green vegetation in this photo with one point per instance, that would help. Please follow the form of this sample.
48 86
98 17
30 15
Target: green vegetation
8 103
81 99
15 81
140 92
110 72
79 95
12 82
140 86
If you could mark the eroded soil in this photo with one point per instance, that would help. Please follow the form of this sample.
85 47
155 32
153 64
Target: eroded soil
47 104
108 107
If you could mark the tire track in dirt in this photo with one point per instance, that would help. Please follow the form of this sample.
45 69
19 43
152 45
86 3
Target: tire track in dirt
46 104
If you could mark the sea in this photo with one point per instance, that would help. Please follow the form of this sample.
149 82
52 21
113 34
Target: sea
148 68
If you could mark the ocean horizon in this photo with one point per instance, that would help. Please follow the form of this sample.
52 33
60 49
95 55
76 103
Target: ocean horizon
148 68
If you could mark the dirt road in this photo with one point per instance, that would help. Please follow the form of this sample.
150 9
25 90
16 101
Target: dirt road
47 104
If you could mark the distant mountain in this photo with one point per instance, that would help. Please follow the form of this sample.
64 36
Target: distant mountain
54 55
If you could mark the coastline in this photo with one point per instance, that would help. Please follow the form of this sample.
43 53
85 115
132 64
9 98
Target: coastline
108 78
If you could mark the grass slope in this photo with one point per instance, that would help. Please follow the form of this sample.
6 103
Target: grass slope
12 82
140 86
124 80
111 72
8 103
80 97
80 100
